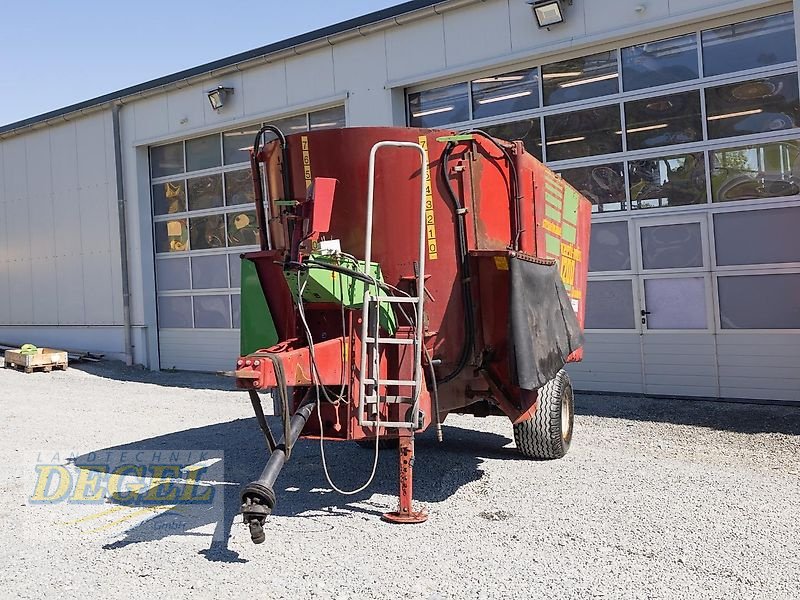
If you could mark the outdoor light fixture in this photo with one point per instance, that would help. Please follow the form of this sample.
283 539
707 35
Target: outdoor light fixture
218 95
548 12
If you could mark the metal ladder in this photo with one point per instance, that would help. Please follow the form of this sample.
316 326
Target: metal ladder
370 380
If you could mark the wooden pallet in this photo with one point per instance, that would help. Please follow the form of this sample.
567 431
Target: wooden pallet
45 360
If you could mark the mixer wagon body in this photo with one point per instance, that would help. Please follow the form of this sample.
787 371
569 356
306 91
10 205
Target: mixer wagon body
410 273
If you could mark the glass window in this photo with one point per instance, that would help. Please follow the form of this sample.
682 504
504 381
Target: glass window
602 185
235 266
330 118
173 274
289 125
749 45
169 198
771 236
610 248
507 93
760 301
673 181
236 310
172 236
583 133
213 312
207 232
759 171
239 188
203 153
166 160
236 144
660 63
581 78
676 303
678 246
755 106
439 106
205 192
610 305
664 120
243 229
175 311
526 130
209 272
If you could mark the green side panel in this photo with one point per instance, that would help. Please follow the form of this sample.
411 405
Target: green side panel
569 233
256 330
552 199
571 200
552 213
553 245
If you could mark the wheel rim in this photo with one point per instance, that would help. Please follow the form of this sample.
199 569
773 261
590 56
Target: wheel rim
566 414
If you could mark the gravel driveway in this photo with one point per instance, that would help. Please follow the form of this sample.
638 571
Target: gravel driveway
656 499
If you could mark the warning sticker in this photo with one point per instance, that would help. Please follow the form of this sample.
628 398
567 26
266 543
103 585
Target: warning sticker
576 305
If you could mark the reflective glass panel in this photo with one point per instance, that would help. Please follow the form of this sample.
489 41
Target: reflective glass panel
237 143
676 303
175 311
755 106
166 160
610 247
169 198
172 236
527 130
173 274
439 106
235 267
673 181
771 236
602 185
749 45
583 133
213 312
678 246
760 301
235 310
243 228
203 153
205 192
760 171
209 272
660 63
330 118
664 120
207 232
289 125
239 188
611 305
580 78
507 93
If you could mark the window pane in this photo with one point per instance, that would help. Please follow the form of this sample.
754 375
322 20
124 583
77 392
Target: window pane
243 229
527 130
209 272
610 305
674 181
237 143
236 310
771 236
175 311
235 270
169 198
172 236
329 118
755 106
203 153
602 185
610 248
166 160
288 126
207 232
212 312
664 120
659 63
173 274
507 93
583 133
205 192
676 303
580 78
760 301
762 171
440 106
239 188
749 45
676 246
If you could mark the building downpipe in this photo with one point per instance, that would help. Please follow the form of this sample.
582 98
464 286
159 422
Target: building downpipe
123 235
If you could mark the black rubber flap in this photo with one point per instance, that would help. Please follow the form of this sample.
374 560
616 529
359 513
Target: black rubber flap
544 328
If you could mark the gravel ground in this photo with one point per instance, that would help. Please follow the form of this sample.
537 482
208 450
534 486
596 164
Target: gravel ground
656 499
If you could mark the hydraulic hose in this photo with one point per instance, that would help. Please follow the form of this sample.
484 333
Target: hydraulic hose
285 172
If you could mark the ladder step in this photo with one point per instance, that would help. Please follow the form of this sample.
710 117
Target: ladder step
396 341
410 383
372 400
395 299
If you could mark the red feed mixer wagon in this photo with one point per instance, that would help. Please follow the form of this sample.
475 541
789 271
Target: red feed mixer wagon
409 274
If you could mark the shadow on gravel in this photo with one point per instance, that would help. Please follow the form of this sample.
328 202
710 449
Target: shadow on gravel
440 470
723 416
118 371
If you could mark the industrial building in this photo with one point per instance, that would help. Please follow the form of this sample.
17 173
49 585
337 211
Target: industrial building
122 218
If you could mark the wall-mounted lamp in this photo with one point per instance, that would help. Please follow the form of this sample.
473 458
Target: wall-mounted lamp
218 95
548 12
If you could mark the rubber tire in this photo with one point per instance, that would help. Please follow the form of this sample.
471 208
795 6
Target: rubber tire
541 436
